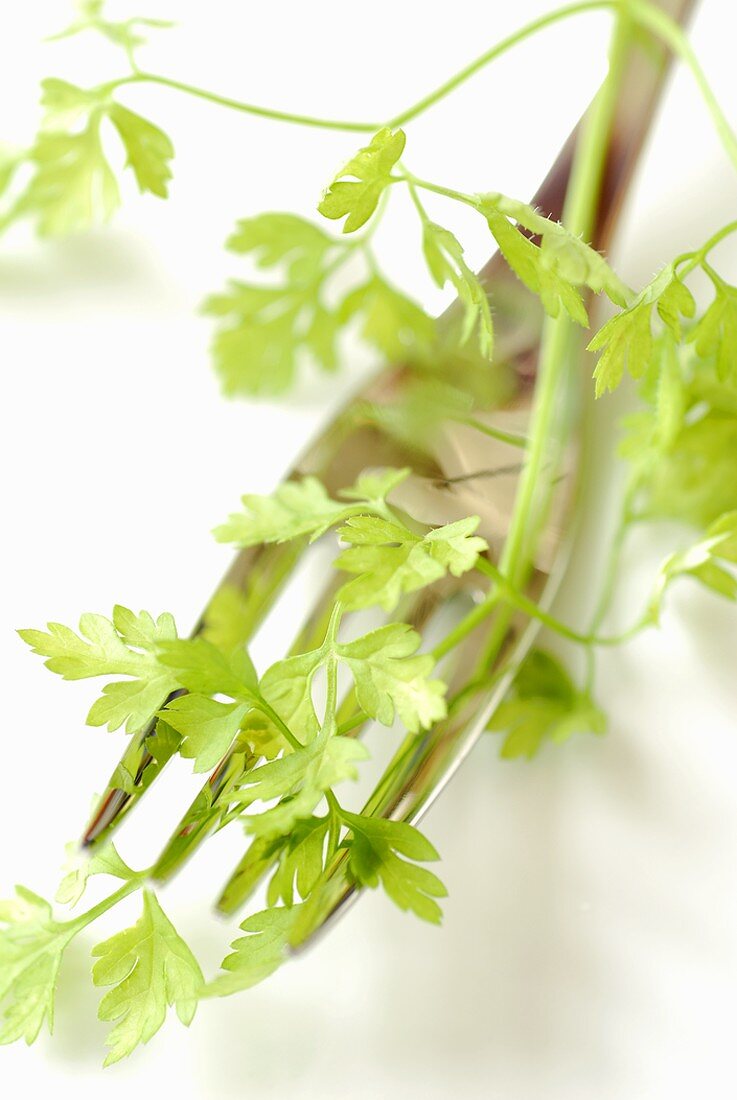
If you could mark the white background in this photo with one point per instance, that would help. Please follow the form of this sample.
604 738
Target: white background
590 940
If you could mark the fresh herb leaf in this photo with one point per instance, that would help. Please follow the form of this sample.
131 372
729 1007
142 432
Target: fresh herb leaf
390 560
80 866
257 954
368 172
264 329
148 149
391 680
543 706
704 561
124 646
32 944
390 321
207 727
295 508
122 33
444 257
299 779
626 340
715 333
150 968
562 253
525 260
375 850
303 507
201 667
300 861
73 185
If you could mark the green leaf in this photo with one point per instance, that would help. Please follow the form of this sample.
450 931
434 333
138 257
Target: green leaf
287 687
561 252
300 856
525 259
390 560
65 104
124 646
123 33
150 968
32 944
264 330
375 849
390 321
626 340
147 147
283 240
257 954
368 172
390 679
701 562
543 704
73 186
303 507
296 508
373 487
696 480
80 866
444 256
715 334
300 779
206 725
202 668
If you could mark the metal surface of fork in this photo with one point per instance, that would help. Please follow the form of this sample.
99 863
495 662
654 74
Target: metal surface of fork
457 471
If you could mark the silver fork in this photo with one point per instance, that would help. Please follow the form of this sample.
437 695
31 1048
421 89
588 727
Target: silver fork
458 472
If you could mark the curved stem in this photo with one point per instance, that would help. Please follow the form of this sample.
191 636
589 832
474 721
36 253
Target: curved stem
245 108
511 438
642 11
96 911
334 822
645 13
528 607
650 16
492 54
260 704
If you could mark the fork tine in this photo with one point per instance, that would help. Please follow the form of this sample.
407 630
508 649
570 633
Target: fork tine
256 862
259 573
422 766
202 815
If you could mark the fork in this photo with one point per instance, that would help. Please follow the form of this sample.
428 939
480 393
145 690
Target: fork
471 465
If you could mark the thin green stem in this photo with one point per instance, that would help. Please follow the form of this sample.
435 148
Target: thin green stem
447 192
650 16
492 54
467 624
557 350
689 261
335 818
96 911
351 723
245 108
512 438
646 14
528 607
260 704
